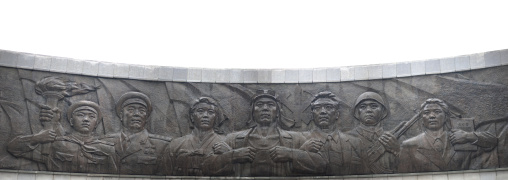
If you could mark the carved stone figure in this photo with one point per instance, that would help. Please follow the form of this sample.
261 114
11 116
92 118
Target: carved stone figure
189 151
378 148
264 149
79 151
138 151
336 153
433 150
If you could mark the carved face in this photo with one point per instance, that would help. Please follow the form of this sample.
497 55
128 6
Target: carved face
325 113
204 116
265 111
370 112
433 117
134 116
84 120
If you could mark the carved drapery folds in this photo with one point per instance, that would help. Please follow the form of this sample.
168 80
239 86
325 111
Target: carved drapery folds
71 123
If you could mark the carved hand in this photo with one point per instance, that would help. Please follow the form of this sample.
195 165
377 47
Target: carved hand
243 155
44 136
312 145
221 148
460 137
390 142
49 114
281 154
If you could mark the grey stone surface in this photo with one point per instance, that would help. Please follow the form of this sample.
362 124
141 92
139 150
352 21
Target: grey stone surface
440 177
447 65
291 76
180 74
472 176
58 64
425 177
136 71
418 68
26 61
121 70
389 70
492 58
250 76
488 175
61 176
236 76
106 69
395 177
361 72
375 71
90 68
477 61
78 178
347 74
194 75
74 66
264 76
165 73
333 75
456 176
504 56
319 75
208 75
222 76
305 75
278 76
8 175
44 177
502 174
462 63
26 176
42 63
151 72
8 58
432 66
403 69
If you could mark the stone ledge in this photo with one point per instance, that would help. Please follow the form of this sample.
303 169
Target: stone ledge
180 74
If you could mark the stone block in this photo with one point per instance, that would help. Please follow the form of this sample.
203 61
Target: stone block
502 174
94 178
236 76
447 65
8 58
8 175
26 176
409 177
417 68
319 75
305 76
432 66
278 76
462 63
121 70
42 63
208 75
440 177
477 61
375 71
180 74
503 56
74 66
488 175
222 76
456 176
347 74
61 176
136 71
292 76
106 69
111 178
395 177
250 76
44 176
58 65
78 177
333 75
26 61
151 73
389 71
403 69
361 72
90 68
165 73
472 176
264 76
194 75
424 177
492 58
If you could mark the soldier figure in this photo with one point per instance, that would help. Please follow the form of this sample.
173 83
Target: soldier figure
337 155
79 151
138 151
370 109
189 151
263 150
433 149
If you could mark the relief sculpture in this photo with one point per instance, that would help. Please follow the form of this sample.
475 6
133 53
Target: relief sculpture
80 124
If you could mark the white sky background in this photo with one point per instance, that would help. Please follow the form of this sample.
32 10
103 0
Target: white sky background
253 34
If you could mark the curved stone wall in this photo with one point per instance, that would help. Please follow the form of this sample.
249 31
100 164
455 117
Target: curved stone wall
444 115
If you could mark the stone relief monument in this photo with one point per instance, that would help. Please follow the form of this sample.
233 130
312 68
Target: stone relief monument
74 123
